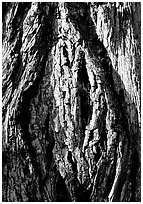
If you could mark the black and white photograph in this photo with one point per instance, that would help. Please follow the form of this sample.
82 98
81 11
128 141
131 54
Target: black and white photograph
71 101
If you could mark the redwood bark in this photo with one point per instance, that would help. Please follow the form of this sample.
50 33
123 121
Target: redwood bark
71 102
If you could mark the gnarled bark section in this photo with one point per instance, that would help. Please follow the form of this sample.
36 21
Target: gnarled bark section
66 131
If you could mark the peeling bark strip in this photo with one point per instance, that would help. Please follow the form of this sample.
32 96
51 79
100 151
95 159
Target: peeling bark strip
71 102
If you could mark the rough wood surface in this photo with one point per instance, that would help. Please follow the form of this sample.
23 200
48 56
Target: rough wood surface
71 101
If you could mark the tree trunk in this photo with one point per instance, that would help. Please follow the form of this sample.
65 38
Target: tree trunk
71 101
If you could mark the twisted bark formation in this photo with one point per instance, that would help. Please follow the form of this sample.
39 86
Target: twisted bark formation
71 102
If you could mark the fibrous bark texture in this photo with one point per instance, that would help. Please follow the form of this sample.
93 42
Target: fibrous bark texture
71 101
